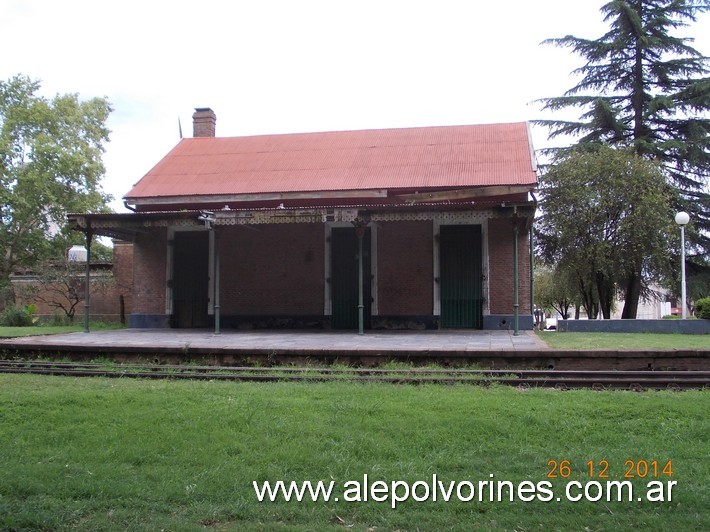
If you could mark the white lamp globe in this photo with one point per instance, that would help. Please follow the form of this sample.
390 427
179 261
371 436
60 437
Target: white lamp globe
682 218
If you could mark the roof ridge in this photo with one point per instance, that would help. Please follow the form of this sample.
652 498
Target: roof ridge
365 130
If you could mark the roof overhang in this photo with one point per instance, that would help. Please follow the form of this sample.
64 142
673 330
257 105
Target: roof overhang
248 198
335 198
460 194
127 226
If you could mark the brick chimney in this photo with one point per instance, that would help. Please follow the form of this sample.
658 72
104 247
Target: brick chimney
203 122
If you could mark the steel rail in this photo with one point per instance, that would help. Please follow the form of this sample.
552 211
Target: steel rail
595 379
356 370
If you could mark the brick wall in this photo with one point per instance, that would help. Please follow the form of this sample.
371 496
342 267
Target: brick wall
149 266
109 283
279 270
272 269
500 261
123 274
405 268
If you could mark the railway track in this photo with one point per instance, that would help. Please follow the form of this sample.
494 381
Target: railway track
599 380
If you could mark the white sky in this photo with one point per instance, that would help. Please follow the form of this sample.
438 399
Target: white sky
282 66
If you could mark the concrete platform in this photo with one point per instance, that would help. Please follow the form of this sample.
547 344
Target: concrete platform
308 341
491 349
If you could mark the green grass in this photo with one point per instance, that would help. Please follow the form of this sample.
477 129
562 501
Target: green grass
580 340
14 332
111 454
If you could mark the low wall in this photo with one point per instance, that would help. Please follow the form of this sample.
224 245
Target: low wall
149 321
635 326
504 322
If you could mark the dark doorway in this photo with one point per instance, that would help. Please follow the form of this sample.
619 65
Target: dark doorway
461 276
190 279
344 278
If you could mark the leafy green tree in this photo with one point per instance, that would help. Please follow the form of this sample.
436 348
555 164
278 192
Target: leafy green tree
555 290
606 219
50 164
698 277
646 89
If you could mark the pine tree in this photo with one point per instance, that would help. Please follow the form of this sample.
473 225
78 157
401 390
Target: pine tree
647 89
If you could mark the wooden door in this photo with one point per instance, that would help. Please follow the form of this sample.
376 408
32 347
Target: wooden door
461 276
344 278
190 279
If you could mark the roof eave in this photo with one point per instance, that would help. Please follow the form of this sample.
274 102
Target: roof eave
198 199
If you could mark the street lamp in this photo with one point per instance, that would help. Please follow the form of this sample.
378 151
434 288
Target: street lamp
682 219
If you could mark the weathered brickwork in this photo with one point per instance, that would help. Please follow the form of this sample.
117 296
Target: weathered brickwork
149 270
110 295
123 275
405 268
279 270
500 262
272 270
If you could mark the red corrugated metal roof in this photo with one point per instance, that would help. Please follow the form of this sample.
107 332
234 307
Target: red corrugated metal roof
411 158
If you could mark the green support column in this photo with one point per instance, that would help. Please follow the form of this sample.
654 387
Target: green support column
360 287
516 305
360 227
87 280
216 284
532 274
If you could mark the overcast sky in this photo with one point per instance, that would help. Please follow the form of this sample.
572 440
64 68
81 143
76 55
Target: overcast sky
282 66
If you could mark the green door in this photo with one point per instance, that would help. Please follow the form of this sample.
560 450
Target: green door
461 276
344 278
190 279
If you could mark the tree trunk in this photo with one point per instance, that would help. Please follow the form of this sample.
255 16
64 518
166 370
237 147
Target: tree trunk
632 293
588 302
605 289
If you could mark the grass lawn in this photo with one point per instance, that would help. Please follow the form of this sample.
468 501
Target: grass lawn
580 340
110 454
13 332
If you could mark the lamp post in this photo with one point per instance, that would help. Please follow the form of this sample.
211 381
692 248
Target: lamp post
682 218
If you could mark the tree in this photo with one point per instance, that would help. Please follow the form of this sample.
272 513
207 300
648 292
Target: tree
50 165
606 218
554 290
60 284
645 89
698 277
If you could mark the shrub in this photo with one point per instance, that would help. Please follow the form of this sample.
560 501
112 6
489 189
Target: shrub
55 320
14 316
702 308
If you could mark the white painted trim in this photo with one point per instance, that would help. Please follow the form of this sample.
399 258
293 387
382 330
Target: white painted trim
485 266
210 273
374 304
328 300
436 228
170 270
